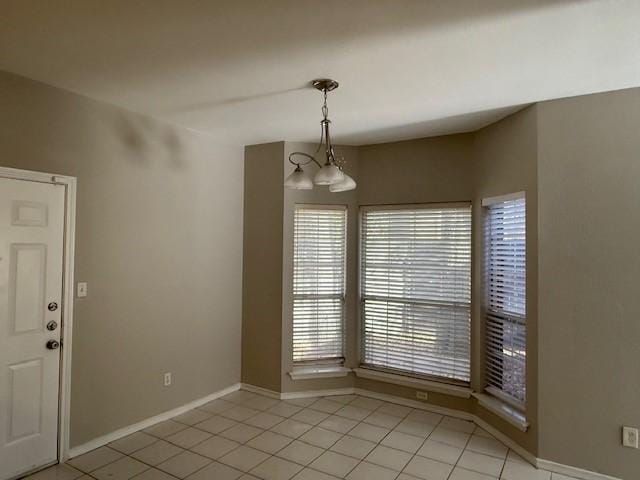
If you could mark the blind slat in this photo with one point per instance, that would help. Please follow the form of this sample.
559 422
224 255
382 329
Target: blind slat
505 318
416 290
318 283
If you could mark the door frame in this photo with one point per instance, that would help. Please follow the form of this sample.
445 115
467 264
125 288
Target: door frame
64 397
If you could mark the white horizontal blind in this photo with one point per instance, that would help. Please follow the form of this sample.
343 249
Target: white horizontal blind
505 269
416 290
319 283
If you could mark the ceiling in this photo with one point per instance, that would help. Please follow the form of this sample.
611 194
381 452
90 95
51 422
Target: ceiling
240 70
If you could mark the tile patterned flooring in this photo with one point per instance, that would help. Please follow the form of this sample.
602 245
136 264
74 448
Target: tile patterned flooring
245 436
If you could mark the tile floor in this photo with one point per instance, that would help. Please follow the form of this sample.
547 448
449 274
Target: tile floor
248 436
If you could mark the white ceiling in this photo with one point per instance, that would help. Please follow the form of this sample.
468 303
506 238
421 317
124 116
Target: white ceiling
408 68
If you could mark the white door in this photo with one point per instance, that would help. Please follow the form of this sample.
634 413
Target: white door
31 246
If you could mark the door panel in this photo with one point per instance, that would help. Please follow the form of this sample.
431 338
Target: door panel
31 250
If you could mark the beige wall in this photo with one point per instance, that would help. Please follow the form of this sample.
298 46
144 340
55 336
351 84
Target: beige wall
262 270
506 162
158 240
589 364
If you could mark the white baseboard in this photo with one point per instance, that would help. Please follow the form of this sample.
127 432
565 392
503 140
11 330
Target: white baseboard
533 460
123 432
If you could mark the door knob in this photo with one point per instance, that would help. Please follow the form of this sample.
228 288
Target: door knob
53 344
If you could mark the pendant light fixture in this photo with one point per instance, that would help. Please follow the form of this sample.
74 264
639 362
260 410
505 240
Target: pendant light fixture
330 172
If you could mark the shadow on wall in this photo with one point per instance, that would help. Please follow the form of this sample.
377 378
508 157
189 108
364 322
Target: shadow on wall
147 141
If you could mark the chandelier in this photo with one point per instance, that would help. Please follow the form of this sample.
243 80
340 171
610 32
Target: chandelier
331 172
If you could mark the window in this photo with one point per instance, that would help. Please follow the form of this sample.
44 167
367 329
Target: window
319 283
416 289
505 304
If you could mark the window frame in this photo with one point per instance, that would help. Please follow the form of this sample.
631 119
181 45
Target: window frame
489 389
327 362
455 383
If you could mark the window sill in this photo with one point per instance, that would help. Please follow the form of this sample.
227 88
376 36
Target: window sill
419 383
503 410
319 371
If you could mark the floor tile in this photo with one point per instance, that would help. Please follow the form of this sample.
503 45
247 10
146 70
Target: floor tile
369 471
269 442
247 476
460 473
240 396
303 402
458 424
321 437
412 427
334 464
300 452
192 417
291 428
95 459
275 468
440 451
244 458
310 416
309 474
326 406
216 471
344 399
241 433
61 471
366 402
520 471
184 464
338 424
389 457
264 420
425 417
394 409
488 446
353 447
216 424
353 413
133 442
215 447
402 441
514 457
216 406
482 432
240 413
157 453
428 469
385 420
558 476
188 437
164 429
260 403
450 437
154 474
369 432
481 463
284 409
122 469
404 476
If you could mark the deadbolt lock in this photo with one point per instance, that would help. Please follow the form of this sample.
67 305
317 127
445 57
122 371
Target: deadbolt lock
53 306
52 325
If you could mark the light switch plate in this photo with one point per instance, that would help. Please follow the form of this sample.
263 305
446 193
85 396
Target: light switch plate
82 289
630 437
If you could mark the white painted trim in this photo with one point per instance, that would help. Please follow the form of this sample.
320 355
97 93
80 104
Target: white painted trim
419 383
503 410
319 371
529 457
261 391
570 471
317 393
70 184
487 202
123 432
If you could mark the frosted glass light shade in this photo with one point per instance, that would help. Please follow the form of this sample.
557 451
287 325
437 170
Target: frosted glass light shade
347 183
328 175
298 180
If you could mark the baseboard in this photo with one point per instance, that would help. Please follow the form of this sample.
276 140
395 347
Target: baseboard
317 393
529 457
123 432
570 471
262 391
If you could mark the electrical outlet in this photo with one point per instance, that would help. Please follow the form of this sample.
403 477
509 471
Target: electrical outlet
167 379
630 437
422 395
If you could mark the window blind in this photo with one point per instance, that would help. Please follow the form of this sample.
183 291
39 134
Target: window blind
416 290
319 283
505 316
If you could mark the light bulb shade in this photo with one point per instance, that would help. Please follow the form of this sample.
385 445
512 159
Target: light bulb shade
328 175
298 180
347 183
